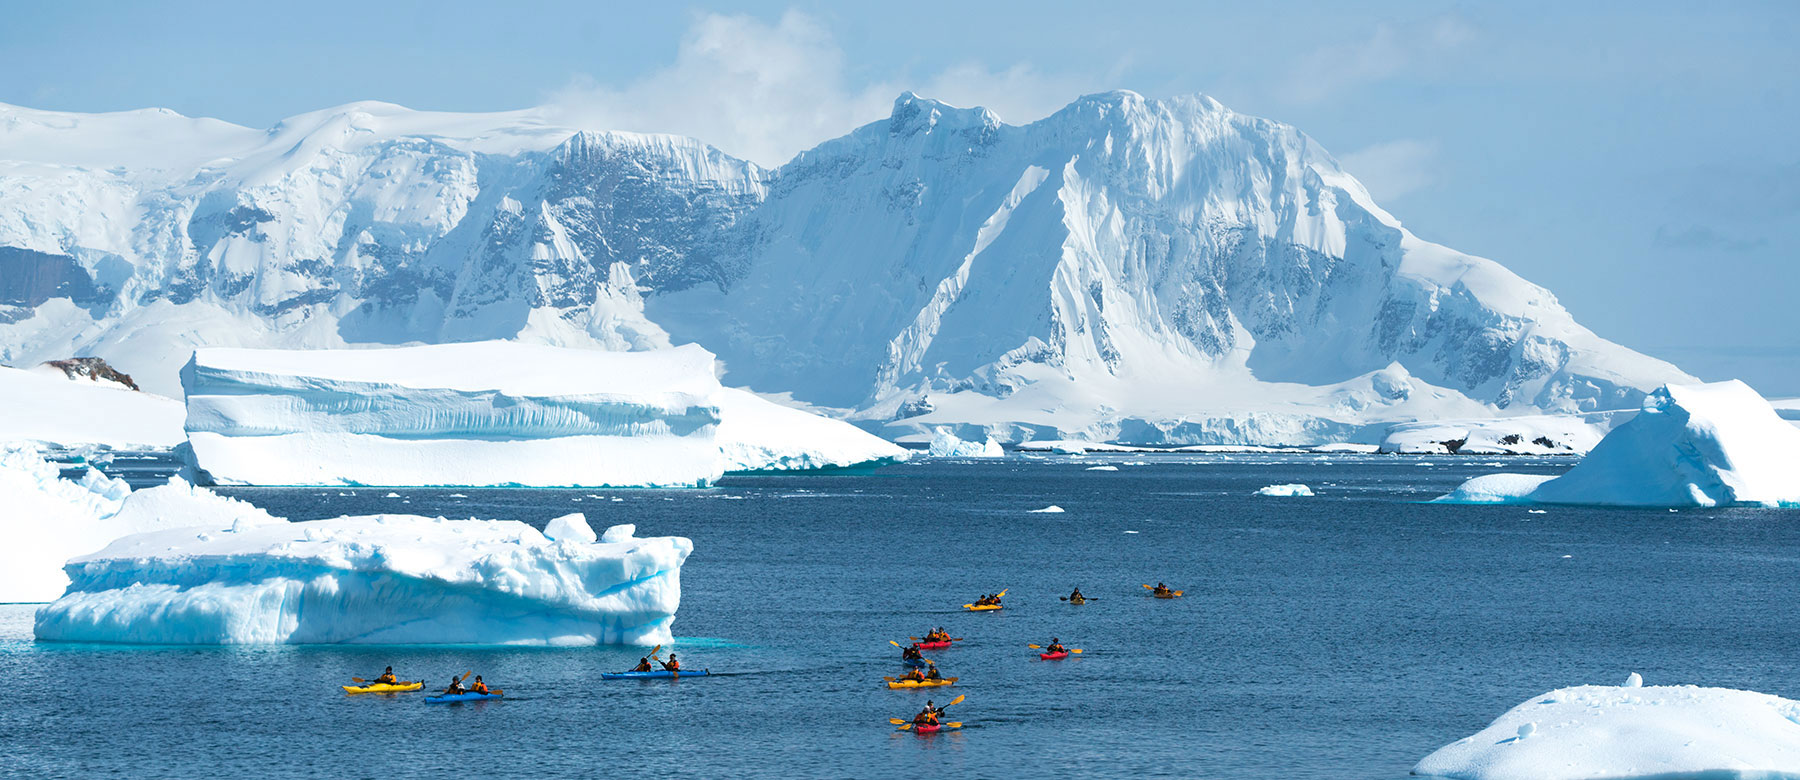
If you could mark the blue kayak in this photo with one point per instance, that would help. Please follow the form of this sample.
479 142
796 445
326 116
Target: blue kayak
455 698
916 663
652 675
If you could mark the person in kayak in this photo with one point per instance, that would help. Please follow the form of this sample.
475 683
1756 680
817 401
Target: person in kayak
1076 596
910 654
913 675
671 665
456 687
1161 590
643 666
479 686
927 716
1055 647
934 674
387 678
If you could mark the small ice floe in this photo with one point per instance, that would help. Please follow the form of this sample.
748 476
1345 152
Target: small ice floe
1537 511
392 495
1101 468
1634 681
1131 532
1049 510
1285 490
1566 557
457 495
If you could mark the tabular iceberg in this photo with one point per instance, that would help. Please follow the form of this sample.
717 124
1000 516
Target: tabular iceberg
1597 731
1711 444
375 579
48 407
760 435
484 413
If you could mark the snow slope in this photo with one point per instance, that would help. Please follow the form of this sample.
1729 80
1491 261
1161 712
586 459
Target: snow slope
53 409
1692 445
1133 270
483 413
49 519
374 579
756 434
1596 731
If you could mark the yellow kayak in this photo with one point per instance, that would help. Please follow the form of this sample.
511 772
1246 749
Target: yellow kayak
982 608
384 687
922 683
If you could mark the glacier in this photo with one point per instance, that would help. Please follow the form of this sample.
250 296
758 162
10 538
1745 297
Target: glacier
1630 731
49 520
1715 444
495 413
50 408
1164 272
379 579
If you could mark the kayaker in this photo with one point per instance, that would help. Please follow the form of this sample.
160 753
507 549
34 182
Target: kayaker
479 686
1076 596
643 666
934 674
914 675
1055 647
927 716
671 665
910 654
387 678
456 687
1161 590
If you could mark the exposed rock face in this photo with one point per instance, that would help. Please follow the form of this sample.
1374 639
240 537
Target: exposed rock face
92 369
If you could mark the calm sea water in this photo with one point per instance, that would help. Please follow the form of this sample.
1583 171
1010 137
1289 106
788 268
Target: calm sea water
1342 636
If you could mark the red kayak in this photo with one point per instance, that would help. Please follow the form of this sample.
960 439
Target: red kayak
931 728
1054 656
932 645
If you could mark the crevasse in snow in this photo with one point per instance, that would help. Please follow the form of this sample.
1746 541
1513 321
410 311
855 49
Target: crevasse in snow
1711 444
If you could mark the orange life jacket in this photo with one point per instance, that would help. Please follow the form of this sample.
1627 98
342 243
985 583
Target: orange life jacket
480 688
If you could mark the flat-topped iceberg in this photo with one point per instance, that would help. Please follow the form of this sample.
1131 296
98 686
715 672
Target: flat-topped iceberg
49 407
47 519
1713 444
1597 731
496 413
375 579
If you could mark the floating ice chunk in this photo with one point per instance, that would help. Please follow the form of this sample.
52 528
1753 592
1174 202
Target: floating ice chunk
944 444
1634 681
1613 732
376 579
1537 511
1691 445
756 434
1049 510
572 528
392 495
619 533
1101 468
1285 490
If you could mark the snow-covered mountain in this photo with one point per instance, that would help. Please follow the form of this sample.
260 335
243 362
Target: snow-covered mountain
1132 269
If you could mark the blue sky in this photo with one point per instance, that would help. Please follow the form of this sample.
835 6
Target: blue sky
1640 163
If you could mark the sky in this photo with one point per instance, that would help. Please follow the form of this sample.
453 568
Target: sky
1639 160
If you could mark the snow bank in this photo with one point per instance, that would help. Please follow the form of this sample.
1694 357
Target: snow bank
48 520
51 408
759 435
1525 435
373 579
1597 731
1692 445
1285 490
483 413
944 444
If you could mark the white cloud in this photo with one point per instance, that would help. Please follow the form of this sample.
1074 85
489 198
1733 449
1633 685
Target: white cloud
1394 169
765 92
1388 52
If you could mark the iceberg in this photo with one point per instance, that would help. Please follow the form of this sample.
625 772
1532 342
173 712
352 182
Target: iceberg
49 519
1594 731
475 414
1715 444
945 444
375 579
760 435
1285 490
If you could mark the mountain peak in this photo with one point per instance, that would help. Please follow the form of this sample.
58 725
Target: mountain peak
913 113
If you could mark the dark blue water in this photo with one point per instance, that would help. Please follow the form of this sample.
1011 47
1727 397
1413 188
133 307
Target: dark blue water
1342 636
